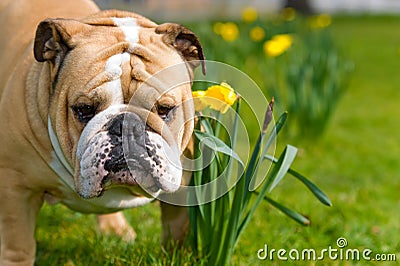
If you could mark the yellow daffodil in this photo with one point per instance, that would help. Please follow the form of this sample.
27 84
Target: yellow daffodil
320 21
257 34
249 14
229 31
198 100
278 45
217 97
288 14
220 97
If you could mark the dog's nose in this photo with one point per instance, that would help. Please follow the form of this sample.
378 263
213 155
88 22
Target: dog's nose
131 122
128 128
115 127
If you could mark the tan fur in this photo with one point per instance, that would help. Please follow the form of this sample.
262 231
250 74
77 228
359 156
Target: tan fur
25 89
21 200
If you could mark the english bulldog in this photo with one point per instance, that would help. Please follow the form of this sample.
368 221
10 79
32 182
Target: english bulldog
95 113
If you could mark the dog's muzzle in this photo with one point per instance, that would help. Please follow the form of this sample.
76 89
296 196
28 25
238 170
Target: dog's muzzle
125 152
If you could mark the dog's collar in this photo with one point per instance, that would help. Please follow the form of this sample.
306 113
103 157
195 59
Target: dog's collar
59 153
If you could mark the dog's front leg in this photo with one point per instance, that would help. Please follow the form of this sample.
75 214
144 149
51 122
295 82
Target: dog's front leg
175 219
175 223
19 207
116 223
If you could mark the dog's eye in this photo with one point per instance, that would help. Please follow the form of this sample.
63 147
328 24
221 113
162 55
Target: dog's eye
163 111
84 112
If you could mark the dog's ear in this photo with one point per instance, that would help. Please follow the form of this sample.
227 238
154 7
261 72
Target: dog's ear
185 41
54 38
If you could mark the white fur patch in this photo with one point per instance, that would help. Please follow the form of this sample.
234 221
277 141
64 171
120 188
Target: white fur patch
169 172
130 28
114 69
111 200
95 125
114 64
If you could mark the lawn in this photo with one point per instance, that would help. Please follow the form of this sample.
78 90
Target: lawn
355 163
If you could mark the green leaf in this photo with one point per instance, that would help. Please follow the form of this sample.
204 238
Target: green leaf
251 184
277 128
289 156
230 237
217 145
197 181
218 235
321 196
292 214
252 169
206 125
272 177
234 133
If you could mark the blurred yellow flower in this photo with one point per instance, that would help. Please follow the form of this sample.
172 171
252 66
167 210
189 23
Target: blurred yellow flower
229 31
288 13
249 14
278 45
320 21
217 27
257 34
217 97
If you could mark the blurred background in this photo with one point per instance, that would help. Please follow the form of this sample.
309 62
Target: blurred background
208 9
334 65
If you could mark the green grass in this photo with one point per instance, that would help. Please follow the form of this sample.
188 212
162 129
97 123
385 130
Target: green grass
356 163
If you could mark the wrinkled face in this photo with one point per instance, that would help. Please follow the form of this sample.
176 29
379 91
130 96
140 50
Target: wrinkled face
121 101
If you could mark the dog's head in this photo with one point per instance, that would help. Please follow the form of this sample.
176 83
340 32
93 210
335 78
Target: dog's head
120 99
